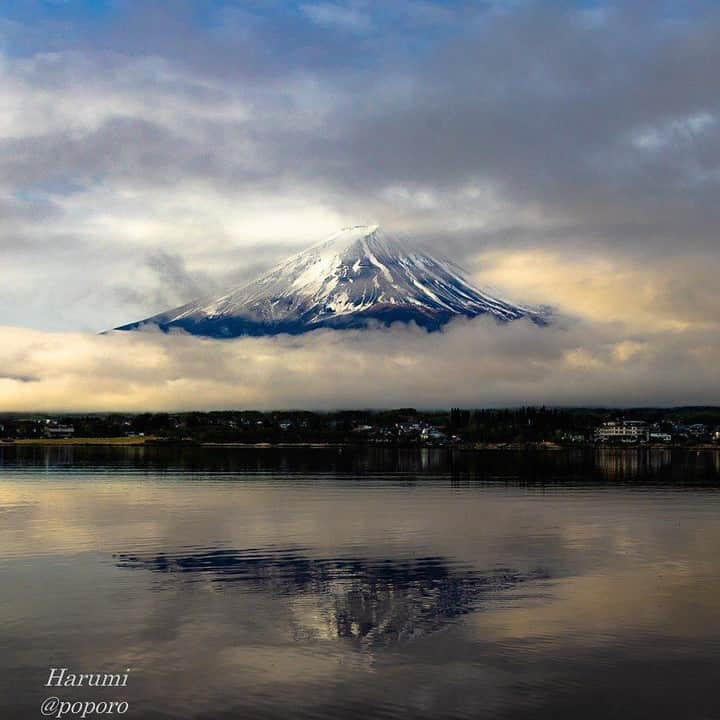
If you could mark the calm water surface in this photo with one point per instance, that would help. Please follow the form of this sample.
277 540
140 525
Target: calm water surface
333 584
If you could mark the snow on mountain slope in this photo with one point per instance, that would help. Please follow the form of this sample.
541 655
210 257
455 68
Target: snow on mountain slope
356 276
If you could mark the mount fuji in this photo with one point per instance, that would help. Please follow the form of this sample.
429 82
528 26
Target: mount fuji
354 278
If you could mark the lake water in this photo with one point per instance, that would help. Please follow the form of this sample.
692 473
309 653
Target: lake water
333 583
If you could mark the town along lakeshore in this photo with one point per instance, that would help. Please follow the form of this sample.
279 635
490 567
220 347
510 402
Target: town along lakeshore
544 428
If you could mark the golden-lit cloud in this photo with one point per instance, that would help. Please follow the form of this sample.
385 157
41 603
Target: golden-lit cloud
677 293
471 362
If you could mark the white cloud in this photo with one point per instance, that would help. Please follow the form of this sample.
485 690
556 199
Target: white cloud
344 17
676 130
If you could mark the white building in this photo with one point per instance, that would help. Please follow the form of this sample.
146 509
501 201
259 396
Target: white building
623 431
432 434
59 431
660 437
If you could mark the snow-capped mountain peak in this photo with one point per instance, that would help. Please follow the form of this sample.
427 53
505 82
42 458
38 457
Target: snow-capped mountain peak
354 277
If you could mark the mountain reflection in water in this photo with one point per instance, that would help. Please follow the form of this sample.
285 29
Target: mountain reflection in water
373 603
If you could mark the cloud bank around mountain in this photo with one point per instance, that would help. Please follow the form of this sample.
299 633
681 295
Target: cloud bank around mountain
471 363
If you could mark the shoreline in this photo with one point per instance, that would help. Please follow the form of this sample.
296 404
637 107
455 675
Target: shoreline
160 442
66 442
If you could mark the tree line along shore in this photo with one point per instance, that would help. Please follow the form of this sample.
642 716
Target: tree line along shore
463 428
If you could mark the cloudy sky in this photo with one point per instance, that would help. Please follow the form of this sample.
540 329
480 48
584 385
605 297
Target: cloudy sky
564 152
